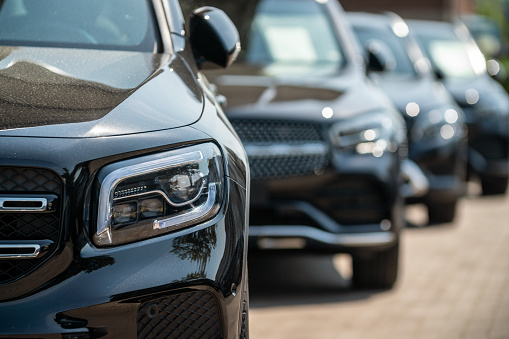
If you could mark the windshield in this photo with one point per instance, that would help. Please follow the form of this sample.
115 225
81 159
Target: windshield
98 24
453 53
400 61
293 33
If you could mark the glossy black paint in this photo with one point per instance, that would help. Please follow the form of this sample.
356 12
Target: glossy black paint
301 97
214 38
443 161
487 118
120 105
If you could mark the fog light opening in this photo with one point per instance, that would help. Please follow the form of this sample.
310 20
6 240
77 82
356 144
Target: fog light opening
152 311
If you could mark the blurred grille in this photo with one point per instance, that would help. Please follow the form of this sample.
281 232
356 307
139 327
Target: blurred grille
27 226
186 315
492 148
353 201
275 131
283 133
286 166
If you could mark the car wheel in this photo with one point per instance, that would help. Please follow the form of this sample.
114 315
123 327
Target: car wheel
493 186
443 212
376 270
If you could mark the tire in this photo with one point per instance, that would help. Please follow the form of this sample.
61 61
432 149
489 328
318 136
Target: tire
493 186
377 269
444 212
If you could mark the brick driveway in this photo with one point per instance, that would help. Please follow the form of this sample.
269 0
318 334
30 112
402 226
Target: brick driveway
454 283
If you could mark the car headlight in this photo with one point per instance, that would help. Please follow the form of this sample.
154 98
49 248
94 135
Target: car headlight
440 124
366 134
151 195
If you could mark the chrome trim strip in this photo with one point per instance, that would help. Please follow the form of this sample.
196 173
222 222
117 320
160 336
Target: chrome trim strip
36 250
41 208
306 232
285 150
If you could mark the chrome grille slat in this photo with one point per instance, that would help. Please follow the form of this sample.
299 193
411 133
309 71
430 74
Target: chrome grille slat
28 226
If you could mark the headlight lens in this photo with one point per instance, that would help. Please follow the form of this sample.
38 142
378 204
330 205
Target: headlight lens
151 195
365 134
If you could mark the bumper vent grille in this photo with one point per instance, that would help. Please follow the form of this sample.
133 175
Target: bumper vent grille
21 226
353 202
186 315
278 149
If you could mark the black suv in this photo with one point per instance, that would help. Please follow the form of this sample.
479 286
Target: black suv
123 188
460 65
325 145
435 123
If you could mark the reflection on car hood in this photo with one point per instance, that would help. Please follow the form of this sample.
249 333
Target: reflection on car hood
73 93
426 92
253 92
490 94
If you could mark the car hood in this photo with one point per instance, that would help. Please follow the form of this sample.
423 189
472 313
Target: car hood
425 92
76 93
485 94
255 92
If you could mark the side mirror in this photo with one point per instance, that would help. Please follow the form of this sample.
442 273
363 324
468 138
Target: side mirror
214 38
380 57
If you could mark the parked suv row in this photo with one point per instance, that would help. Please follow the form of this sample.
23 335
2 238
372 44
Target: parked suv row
328 150
128 166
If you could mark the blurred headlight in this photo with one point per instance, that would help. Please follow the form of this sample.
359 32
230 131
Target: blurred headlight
441 124
151 195
365 134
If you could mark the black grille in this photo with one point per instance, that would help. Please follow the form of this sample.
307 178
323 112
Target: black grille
27 226
186 315
282 133
492 148
16 179
286 166
269 131
353 201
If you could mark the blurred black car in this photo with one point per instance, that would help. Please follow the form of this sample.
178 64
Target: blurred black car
435 124
325 145
460 65
123 189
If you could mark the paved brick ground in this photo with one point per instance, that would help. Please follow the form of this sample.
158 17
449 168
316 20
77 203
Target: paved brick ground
454 283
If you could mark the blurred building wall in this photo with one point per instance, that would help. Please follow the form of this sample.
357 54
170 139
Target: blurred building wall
413 9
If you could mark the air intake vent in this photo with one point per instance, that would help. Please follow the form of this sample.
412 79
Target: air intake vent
186 315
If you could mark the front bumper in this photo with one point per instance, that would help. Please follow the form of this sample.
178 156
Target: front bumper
444 168
330 236
488 140
139 289
354 205
486 166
